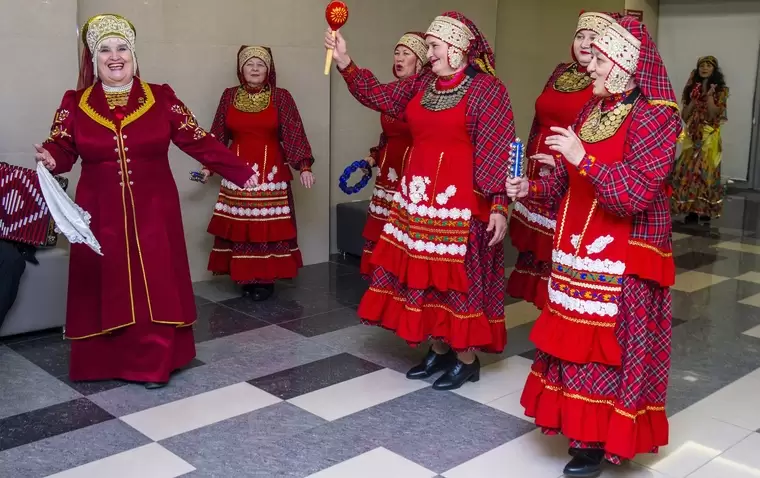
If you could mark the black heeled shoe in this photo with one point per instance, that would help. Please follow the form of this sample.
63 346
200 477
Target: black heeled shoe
432 364
258 292
457 375
586 463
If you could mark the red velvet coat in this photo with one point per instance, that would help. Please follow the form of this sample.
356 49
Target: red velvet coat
128 188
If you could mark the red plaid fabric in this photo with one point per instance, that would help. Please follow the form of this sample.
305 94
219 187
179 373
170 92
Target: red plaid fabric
651 76
644 333
292 134
375 150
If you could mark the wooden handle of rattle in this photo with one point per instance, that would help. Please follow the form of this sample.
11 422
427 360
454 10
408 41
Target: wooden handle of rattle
328 57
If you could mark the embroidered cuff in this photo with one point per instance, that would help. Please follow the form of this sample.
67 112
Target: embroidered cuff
305 165
499 204
349 72
588 166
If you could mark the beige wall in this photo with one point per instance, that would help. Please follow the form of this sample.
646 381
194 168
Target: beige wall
532 38
38 55
371 33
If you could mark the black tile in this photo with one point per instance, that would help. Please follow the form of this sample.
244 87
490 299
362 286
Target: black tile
313 376
323 323
530 354
28 337
216 320
48 422
321 276
280 309
347 260
50 353
695 260
200 301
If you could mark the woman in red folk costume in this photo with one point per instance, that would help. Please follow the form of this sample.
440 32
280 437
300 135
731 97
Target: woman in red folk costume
532 224
255 228
129 312
600 375
439 271
390 154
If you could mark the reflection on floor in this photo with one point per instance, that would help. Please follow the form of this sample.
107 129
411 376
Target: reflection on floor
294 387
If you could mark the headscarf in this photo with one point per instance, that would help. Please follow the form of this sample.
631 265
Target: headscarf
96 30
415 41
597 22
465 42
709 59
630 47
263 53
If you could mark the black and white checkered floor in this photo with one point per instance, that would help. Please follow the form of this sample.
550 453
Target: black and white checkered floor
294 387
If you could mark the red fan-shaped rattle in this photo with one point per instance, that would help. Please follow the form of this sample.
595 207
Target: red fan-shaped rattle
336 15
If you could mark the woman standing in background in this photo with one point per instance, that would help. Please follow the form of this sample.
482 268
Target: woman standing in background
409 56
697 188
532 224
255 229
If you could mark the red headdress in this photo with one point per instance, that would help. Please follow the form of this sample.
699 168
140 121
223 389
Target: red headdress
464 40
263 53
632 50
94 31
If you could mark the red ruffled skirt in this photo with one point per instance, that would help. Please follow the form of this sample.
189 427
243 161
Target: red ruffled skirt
463 307
618 408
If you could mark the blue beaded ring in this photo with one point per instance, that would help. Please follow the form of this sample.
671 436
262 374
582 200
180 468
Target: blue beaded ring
351 169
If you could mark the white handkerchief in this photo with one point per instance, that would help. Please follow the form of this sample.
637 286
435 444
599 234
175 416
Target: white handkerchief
70 219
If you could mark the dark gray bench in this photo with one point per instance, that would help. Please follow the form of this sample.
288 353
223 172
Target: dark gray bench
350 219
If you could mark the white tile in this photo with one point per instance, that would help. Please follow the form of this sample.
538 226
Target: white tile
631 470
695 439
178 417
511 405
149 461
533 455
750 277
357 394
735 404
753 300
498 380
693 281
378 463
753 332
739 247
740 461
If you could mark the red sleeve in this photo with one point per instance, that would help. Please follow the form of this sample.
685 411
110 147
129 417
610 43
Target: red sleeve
61 144
292 134
390 98
493 133
629 187
197 143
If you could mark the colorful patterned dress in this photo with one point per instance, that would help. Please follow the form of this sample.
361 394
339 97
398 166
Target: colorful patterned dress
532 224
697 187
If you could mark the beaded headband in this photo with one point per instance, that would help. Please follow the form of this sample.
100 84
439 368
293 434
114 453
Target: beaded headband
416 44
594 21
623 49
254 52
451 31
101 27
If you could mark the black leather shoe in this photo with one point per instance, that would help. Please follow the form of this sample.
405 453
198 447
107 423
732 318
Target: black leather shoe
586 463
262 292
432 364
155 385
457 375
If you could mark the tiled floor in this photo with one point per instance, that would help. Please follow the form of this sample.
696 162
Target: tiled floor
294 387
